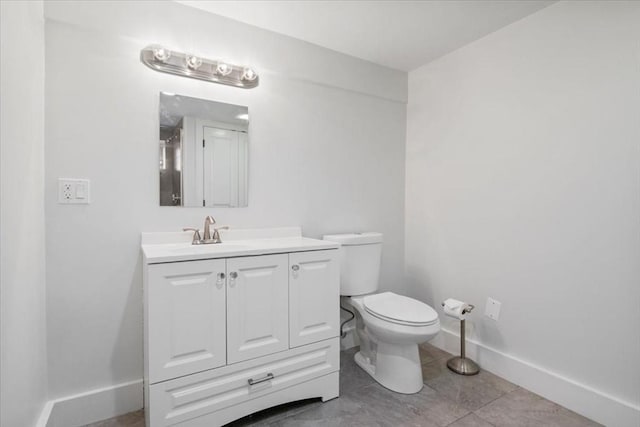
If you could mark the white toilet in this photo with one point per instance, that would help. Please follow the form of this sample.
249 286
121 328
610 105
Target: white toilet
389 326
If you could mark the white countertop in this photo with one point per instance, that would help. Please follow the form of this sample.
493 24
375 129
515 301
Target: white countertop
173 247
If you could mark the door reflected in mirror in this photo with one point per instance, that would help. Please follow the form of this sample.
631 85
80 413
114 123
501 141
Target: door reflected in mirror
204 152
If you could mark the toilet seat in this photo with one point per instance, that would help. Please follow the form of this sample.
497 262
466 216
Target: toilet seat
399 309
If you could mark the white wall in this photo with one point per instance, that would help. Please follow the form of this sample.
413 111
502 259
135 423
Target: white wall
23 363
522 184
326 152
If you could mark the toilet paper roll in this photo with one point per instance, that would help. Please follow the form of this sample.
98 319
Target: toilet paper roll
455 308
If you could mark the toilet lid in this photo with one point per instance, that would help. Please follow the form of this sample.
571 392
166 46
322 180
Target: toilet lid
400 309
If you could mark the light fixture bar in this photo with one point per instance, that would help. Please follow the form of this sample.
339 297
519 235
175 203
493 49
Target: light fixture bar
187 65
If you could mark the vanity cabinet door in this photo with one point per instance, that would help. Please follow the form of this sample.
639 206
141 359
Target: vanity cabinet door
186 318
257 306
314 295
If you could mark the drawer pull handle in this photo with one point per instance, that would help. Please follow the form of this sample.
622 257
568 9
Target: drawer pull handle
295 267
269 377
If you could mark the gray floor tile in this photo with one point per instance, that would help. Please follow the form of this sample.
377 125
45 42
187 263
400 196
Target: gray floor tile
352 377
471 420
426 407
393 409
373 406
430 353
521 408
132 419
470 392
344 411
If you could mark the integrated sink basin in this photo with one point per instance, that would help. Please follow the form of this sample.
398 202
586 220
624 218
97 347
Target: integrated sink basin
165 247
213 248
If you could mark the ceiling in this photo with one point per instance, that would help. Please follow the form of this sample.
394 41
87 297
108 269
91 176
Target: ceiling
397 34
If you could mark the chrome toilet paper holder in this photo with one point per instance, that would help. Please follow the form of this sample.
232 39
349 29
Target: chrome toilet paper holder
461 364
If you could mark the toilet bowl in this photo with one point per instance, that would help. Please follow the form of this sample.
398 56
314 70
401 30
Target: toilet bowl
389 326
389 342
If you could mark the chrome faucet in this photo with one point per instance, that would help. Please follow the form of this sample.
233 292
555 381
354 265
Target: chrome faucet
208 222
207 238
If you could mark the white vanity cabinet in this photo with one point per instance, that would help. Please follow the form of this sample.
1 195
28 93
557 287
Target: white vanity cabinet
227 335
257 306
186 318
314 314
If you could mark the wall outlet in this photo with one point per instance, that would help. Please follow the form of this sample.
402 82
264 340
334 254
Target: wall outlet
492 310
73 191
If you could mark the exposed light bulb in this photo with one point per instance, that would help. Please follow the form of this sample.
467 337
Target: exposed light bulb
193 62
224 69
249 74
161 54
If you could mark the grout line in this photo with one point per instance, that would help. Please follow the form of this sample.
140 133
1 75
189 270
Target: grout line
489 403
461 406
482 418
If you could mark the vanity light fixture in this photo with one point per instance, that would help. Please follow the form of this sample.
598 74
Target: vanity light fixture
164 60
224 69
249 75
161 54
193 62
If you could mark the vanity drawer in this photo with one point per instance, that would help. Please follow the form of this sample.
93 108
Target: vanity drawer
196 395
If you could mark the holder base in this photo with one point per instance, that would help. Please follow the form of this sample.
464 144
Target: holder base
463 366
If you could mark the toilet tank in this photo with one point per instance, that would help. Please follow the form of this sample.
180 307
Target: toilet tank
360 255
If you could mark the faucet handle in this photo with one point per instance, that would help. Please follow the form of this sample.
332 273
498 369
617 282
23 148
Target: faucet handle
216 235
196 235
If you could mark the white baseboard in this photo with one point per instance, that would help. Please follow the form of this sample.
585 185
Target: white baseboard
92 406
594 404
45 415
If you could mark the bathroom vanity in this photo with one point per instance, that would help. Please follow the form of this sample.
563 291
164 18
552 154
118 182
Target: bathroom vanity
237 327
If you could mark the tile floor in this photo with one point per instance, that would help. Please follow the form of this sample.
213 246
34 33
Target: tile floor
483 400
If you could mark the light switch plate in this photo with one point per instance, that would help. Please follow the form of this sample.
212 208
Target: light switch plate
492 309
73 191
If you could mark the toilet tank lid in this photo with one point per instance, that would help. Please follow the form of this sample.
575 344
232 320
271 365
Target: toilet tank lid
354 238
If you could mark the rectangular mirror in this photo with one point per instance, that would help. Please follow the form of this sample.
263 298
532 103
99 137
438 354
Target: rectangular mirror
204 152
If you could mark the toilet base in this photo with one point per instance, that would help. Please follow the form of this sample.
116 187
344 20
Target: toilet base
397 367
365 364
